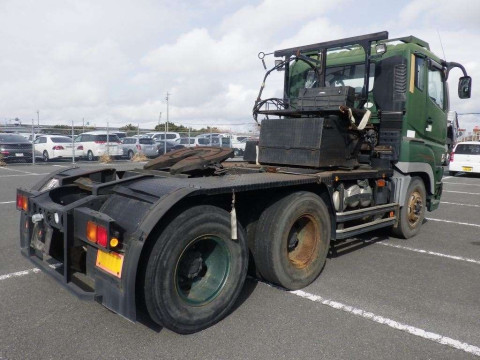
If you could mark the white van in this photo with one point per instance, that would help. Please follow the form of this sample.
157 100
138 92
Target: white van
93 144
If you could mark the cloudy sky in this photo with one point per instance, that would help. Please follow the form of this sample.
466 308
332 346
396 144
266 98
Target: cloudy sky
115 60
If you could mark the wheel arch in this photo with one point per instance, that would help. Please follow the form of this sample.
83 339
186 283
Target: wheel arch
422 170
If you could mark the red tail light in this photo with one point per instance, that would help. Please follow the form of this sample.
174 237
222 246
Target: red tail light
139 147
80 147
4 152
102 236
451 156
100 142
97 234
58 147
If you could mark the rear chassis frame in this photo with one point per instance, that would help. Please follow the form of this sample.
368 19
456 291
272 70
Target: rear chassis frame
153 194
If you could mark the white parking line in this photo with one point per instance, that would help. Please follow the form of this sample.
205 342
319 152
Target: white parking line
6 202
457 183
451 203
446 177
26 272
460 192
20 273
444 340
32 174
23 172
453 222
453 257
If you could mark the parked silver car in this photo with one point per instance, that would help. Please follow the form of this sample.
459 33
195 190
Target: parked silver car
135 145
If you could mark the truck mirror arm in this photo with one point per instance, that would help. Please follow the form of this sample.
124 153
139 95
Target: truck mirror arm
450 65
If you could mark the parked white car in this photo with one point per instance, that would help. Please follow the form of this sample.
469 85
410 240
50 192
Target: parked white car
50 147
93 144
465 157
235 142
193 141
157 136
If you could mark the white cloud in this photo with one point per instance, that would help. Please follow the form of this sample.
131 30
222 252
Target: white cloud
115 60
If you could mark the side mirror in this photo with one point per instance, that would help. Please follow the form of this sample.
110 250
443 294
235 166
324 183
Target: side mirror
465 87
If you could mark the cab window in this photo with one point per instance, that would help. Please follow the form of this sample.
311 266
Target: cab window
435 87
420 73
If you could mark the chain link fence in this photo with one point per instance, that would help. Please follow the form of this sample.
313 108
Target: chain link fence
39 148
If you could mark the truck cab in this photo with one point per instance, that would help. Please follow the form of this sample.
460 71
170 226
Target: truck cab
399 81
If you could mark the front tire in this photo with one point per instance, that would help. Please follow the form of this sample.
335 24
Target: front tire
90 156
412 213
292 240
130 154
195 271
452 173
45 156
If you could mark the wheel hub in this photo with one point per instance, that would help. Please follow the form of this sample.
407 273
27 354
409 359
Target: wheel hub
202 270
302 241
415 206
191 265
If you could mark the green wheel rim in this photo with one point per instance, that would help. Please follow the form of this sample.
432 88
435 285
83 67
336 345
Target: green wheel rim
202 270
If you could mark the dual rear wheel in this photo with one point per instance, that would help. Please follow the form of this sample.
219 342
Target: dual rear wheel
195 271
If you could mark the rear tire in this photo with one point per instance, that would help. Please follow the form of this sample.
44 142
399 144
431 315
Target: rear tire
130 154
90 156
45 156
412 213
195 271
292 240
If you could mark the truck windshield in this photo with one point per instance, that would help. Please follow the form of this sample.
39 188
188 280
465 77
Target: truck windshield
345 75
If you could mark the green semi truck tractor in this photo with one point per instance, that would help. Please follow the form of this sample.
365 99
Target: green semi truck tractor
355 143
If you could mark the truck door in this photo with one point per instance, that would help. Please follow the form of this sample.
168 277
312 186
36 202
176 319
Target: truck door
436 104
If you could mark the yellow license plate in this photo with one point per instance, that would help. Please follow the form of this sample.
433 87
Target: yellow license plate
112 263
467 168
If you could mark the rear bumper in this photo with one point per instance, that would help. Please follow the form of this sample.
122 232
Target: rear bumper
55 270
65 153
71 261
111 152
464 166
16 155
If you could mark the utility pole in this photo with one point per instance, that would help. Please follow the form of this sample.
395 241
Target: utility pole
159 118
38 118
167 98
33 142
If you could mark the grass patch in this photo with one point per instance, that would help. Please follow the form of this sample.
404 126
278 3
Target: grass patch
2 163
139 157
105 159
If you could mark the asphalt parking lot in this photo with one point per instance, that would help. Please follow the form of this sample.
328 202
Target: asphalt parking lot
378 298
